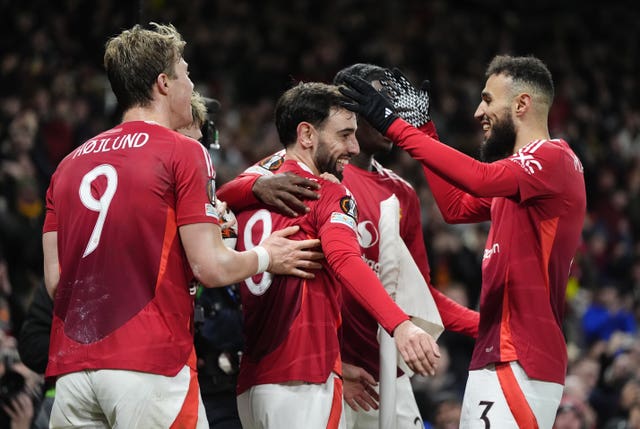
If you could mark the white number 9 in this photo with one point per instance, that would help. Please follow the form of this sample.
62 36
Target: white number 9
263 216
102 205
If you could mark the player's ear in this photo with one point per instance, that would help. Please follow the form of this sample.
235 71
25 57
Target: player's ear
162 83
306 133
523 103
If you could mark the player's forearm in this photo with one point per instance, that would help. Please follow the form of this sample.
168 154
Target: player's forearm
361 281
456 317
477 178
231 267
238 193
211 262
456 205
51 262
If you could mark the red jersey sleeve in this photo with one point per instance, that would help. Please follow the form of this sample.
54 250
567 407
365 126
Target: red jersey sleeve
50 219
430 129
238 192
455 204
195 185
474 177
337 218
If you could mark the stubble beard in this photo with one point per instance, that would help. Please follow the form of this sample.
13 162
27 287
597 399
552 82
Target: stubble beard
501 142
324 162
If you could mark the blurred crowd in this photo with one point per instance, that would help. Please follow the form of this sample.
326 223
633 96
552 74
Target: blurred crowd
54 95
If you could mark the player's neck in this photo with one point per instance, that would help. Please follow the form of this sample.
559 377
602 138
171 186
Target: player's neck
529 134
146 114
304 157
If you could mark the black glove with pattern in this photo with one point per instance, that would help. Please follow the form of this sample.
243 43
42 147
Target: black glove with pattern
411 104
368 102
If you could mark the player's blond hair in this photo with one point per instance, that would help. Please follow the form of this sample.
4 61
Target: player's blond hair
198 109
134 59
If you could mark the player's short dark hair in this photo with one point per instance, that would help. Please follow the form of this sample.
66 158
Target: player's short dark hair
527 70
306 102
368 72
134 59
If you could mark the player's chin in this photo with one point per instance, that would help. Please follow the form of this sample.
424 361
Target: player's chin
339 168
486 135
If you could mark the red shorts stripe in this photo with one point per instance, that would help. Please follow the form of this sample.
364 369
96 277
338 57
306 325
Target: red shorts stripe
336 405
516 400
187 418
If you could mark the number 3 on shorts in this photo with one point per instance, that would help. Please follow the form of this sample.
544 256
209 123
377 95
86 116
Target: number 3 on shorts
484 417
98 205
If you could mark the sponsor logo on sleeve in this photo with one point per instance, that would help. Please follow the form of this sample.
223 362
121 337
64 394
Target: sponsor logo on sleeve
348 207
210 211
343 219
272 163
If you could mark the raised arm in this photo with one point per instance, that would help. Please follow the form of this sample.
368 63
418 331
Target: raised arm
469 175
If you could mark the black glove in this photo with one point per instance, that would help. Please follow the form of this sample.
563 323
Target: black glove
368 102
410 103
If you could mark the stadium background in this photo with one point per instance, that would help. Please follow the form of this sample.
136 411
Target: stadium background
54 94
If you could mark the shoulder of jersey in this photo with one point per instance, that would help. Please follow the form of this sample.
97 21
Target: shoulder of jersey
387 173
327 186
269 165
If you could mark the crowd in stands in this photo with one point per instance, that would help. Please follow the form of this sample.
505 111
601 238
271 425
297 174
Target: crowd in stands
54 94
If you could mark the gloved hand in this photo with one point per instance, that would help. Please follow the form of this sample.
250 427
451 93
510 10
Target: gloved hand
411 104
368 102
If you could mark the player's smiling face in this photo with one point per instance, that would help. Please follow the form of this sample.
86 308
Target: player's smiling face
336 142
496 118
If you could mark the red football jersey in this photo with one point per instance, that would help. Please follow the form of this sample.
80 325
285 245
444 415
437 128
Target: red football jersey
116 202
290 324
536 202
360 346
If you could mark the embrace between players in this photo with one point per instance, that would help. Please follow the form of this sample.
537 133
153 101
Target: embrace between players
123 322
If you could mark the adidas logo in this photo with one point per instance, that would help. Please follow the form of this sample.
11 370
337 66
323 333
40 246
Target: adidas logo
387 112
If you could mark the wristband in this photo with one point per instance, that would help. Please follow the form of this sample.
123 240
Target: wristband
263 259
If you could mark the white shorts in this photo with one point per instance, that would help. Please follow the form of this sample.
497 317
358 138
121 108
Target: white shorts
293 405
407 412
122 399
503 396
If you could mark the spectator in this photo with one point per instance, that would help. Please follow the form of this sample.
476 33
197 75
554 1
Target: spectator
446 412
572 414
606 315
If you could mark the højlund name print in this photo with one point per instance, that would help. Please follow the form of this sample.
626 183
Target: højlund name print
124 141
